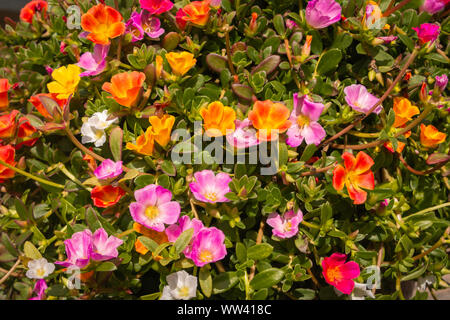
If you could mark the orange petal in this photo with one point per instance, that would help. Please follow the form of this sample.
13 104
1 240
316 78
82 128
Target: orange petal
338 177
363 162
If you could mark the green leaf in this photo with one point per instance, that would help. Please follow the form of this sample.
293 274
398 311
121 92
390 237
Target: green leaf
205 280
183 240
267 278
216 62
22 211
416 273
151 296
148 243
259 251
31 251
278 23
241 252
308 152
224 282
329 61
242 91
115 143
268 65
169 168
305 294
106 266
40 210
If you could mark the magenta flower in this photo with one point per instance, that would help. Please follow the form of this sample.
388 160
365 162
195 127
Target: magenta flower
209 187
339 273
134 27
108 169
433 6
78 249
39 289
184 223
441 82
151 25
104 248
156 6
322 13
208 246
290 24
360 99
427 32
94 63
244 136
153 208
304 119
285 226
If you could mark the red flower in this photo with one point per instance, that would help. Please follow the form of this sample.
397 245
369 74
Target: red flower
27 13
35 101
7 154
4 87
8 124
339 274
354 176
106 196
25 132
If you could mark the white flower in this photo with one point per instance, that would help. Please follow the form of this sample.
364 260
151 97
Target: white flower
39 269
93 130
182 286
359 292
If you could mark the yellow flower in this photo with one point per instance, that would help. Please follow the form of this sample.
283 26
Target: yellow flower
145 143
217 119
180 62
66 81
159 66
161 128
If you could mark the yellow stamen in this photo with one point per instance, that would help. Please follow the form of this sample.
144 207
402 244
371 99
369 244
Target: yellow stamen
151 212
206 256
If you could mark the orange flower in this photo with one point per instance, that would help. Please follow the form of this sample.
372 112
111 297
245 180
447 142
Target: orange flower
25 133
103 22
8 124
125 87
270 119
162 128
197 12
35 101
4 87
404 111
400 145
355 175
430 137
217 119
158 237
145 143
7 154
27 13
106 196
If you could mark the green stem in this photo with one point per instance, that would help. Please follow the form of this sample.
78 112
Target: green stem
310 225
69 175
29 175
443 205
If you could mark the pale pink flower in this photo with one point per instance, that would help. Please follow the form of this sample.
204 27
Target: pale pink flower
441 82
285 226
433 6
108 169
244 136
208 246
153 208
209 187
322 13
360 99
156 6
94 63
304 119
184 223
104 248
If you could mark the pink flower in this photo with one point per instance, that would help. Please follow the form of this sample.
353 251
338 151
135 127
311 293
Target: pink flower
388 39
441 82
156 6
360 99
134 27
208 246
304 119
78 249
153 208
427 32
209 187
62 47
433 6
290 24
215 4
39 289
322 13
108 169
151 25
104 248
181 23
244 136
285 226
340 274
94 63
184 223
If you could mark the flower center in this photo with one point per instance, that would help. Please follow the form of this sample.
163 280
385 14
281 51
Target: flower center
303 120
287 226
333 274
183 291
211 196
206 256
40 272
151 212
